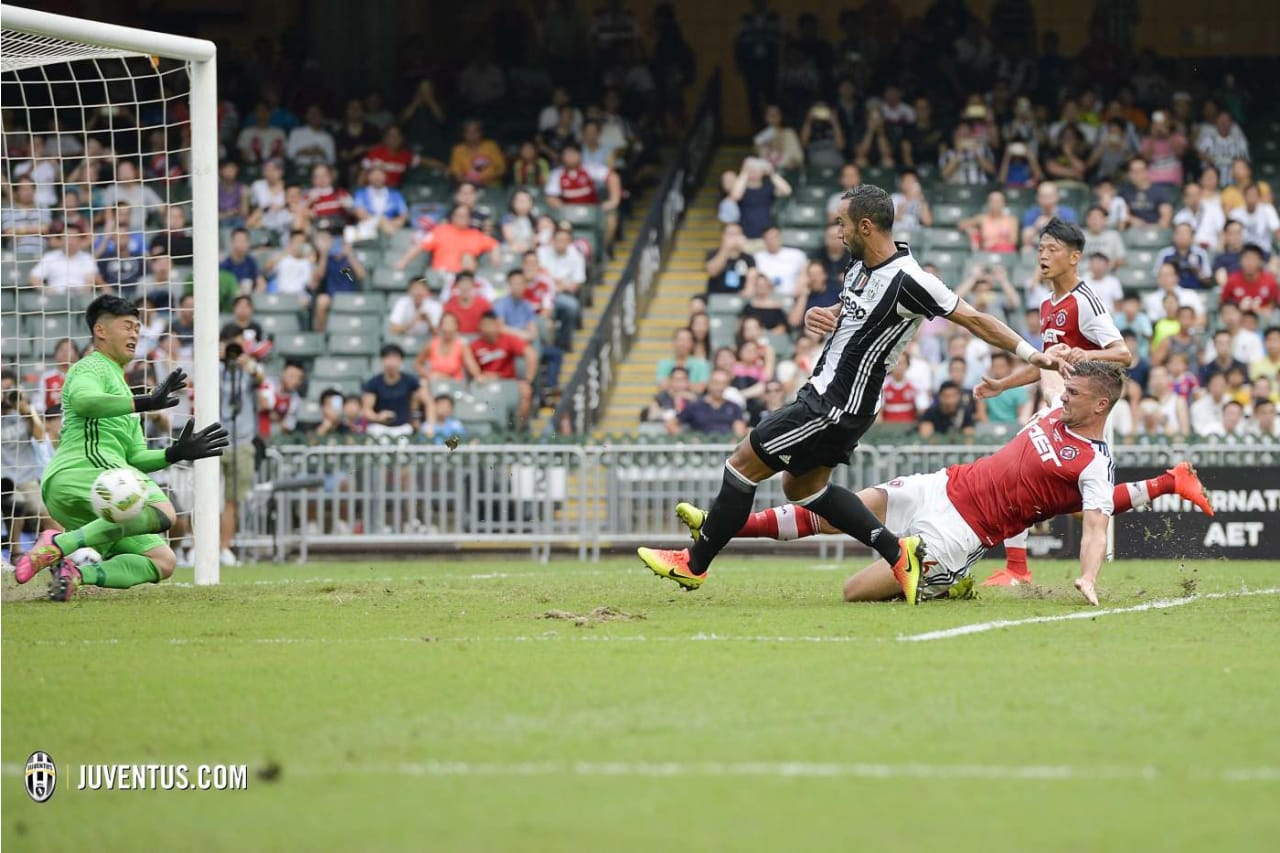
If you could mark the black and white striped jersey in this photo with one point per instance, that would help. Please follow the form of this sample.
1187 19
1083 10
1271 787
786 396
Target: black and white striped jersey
881 308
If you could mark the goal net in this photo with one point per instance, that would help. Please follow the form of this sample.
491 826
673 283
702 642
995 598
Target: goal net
108 186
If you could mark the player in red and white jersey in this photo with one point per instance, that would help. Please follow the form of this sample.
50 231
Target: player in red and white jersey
1057 464
1076 321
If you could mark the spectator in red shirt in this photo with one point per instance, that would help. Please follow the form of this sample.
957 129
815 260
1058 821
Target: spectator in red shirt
496 352
467 305
1251 287
391 157
540 287
576 182
449 241
330 206
899 404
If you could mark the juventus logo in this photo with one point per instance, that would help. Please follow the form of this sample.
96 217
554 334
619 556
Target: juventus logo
41 776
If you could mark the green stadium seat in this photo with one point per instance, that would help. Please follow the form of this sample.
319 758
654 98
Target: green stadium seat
947 215
1148 237
279 324
40 301
1134 277
796 215
944 257
478 415
1141 258
886 179
1020 198
51 327
722 331
264 237
943 238
808 240
579 215
370 256
725 304
277 303
389 279
11 328
812 194
368 325
360 303
397 244
301 345
368 345
341 367
782 344
451 387
346 386
828 176
411 344
309 413
952 194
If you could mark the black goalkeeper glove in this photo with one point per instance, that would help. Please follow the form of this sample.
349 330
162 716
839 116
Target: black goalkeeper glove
190 446
165 395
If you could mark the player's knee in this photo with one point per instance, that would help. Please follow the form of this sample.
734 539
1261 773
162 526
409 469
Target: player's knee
165 561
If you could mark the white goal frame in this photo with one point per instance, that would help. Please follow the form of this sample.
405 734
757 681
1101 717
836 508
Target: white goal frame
202 58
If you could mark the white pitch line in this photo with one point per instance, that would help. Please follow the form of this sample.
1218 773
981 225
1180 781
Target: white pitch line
1159 604
776 769
427 639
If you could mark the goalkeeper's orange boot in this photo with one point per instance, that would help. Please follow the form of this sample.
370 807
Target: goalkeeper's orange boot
41 556
910 567
673 565
1187 485
66 579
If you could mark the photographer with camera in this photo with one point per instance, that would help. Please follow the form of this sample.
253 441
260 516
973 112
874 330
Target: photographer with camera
240 378
26 452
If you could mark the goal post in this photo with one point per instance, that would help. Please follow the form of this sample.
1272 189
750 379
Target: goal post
38 40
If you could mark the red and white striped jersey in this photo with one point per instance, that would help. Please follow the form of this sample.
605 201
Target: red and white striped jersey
1045 470
898 402
1078 319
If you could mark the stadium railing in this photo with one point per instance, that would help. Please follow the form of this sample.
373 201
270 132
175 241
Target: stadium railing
583 497
584 396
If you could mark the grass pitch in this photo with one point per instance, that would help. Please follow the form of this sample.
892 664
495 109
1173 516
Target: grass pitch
457 704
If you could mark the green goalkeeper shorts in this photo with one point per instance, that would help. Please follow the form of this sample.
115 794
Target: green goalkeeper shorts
67 500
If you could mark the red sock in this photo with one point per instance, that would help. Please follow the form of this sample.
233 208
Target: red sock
1162 485
1121 497
1015 560
782 523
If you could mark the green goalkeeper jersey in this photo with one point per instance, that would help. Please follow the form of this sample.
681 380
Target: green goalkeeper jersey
99 426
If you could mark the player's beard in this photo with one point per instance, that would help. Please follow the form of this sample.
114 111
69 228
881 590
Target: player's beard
855 247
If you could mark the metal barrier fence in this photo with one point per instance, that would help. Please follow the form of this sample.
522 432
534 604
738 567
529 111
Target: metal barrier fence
544 496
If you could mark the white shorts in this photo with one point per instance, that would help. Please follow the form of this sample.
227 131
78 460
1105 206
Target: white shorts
918 505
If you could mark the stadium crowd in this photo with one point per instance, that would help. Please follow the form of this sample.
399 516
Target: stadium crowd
982 140
462 224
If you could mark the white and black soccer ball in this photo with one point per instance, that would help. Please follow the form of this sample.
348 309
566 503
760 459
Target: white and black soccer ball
119 494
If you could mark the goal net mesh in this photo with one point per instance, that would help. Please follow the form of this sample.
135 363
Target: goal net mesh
96 199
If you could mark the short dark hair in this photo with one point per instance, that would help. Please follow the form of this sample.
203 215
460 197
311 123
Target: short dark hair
243 297
111 306
513 273
235 231
488 315
327 393
390 349
679 369
1271 330
946 386
229 332
463 275
1252 247
868 201
1066 233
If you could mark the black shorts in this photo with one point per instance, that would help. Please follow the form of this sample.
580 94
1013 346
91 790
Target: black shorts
806 435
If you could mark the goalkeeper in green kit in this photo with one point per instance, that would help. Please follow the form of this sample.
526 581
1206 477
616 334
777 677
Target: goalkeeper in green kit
101 430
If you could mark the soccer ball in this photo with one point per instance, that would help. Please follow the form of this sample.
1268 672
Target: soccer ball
119 494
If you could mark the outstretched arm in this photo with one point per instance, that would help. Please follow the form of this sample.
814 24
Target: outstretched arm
90 399
1093 549
996 333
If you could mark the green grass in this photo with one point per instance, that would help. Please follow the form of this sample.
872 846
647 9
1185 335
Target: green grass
352 670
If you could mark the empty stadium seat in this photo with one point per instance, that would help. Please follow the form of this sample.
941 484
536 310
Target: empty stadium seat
1136 278
340 367
369 325
278 303
1148 237
348 344
797 215
807 240
727 304
279 324
360 303
947 215
390 279
943 238
301 345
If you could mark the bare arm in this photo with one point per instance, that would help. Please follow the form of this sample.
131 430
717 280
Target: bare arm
1093 550
739 184
996 333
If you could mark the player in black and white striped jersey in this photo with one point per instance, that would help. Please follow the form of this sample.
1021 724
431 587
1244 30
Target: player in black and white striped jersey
885 298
